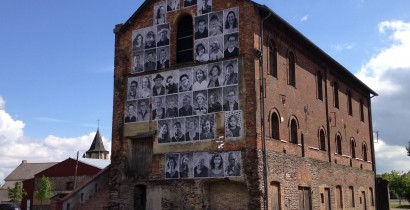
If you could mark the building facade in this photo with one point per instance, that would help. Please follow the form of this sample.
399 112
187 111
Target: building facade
224 105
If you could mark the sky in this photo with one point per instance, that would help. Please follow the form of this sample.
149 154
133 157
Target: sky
56 70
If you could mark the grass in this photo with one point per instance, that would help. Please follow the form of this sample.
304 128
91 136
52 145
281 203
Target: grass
396 205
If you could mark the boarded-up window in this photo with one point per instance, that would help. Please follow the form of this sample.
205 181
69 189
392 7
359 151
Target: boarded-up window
275 126
304 198
351 196
293 131
339 197
275 196
322 140
141 155
371 196
327 199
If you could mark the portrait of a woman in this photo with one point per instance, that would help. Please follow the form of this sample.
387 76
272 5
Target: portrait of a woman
145 90
138 43
231 22
172 171
201 54
164 134
207 131
233 128
160 17
216 164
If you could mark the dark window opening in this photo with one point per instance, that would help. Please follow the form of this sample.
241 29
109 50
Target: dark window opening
293 132
185 36
319 86
322 140
275 126
351 193
140 197
339 145
361 111
364 152
70 185
273 67
336 95
349 102
292 73
353 148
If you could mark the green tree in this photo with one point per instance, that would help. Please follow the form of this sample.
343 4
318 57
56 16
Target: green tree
44 191
16 193
399 184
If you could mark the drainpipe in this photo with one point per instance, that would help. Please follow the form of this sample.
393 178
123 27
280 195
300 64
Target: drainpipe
262 88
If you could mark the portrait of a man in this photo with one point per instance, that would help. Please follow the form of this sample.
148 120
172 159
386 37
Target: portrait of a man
231 45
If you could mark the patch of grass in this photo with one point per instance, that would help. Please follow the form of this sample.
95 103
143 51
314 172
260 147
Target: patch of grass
396 205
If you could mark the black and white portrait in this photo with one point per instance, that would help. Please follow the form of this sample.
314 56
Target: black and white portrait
216 164
231 45
172 166
200 105
158 88
132 92
160 13
143 113
138 37
201 26
137 61
158 108
204 7
192 128
201 164
150 34
178 130
231 20
232 163
171 82
215 75
185 104
150 60
163 35
185 80
145 86
201 50
173 5
130 112
185 166
164 131
200 77
207 127
215 24
230 94
172 106
230 71
214 100
233 124
216 46
188 3
163 57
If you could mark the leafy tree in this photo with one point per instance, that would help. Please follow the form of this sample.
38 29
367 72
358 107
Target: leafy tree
16 193
399 184
44 191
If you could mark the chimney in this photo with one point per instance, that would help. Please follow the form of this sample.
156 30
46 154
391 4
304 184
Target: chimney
24 161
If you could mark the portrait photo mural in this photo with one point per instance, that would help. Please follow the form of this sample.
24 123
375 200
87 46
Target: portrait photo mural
184 101
202 165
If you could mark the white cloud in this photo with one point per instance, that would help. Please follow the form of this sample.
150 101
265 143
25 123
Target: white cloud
340 47
304 18
391 157
387 72
15 147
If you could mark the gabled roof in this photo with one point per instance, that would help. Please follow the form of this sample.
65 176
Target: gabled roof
27 170
97 145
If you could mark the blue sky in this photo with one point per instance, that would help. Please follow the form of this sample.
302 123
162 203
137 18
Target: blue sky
56 69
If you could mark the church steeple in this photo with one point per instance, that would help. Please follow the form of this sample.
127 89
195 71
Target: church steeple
97 150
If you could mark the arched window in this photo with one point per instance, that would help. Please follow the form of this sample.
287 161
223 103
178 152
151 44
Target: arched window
353 148
338 144
336 95
349 102
319 85
292 73
275 125
364 152
273 67
293 131
185 40
322 140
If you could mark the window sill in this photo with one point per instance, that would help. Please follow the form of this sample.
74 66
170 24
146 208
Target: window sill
314 148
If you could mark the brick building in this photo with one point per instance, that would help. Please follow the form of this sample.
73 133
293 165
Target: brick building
224 105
